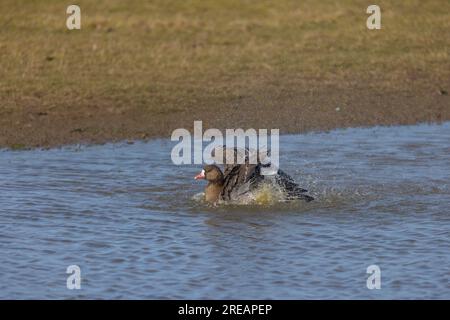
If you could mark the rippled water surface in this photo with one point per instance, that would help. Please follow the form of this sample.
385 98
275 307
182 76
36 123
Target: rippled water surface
126 216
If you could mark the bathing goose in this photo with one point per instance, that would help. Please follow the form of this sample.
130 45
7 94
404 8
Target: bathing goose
239 180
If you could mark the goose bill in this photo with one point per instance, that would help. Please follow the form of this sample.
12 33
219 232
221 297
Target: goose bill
201 175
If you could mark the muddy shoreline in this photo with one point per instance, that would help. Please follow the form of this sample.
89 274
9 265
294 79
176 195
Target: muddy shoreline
297 110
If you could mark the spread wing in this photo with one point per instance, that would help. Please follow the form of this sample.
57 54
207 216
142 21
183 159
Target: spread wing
242 171
240 179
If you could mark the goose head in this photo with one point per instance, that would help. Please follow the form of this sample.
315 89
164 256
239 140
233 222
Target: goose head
214 176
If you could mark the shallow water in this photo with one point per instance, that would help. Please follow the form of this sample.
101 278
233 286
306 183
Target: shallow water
125 215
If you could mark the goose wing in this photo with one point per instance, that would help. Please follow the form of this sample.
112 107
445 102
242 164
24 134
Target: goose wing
244 177
241 171
240 179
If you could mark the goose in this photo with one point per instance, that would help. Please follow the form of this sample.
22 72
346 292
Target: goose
241 180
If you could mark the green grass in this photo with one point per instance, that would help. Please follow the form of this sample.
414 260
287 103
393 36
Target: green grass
163 56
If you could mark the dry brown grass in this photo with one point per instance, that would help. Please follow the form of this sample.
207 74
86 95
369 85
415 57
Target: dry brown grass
136 61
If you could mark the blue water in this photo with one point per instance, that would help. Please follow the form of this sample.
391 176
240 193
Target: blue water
126 216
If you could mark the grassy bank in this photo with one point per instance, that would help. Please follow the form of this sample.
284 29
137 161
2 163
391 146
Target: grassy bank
139 69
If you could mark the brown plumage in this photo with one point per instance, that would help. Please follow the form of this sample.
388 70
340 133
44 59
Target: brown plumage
214 176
